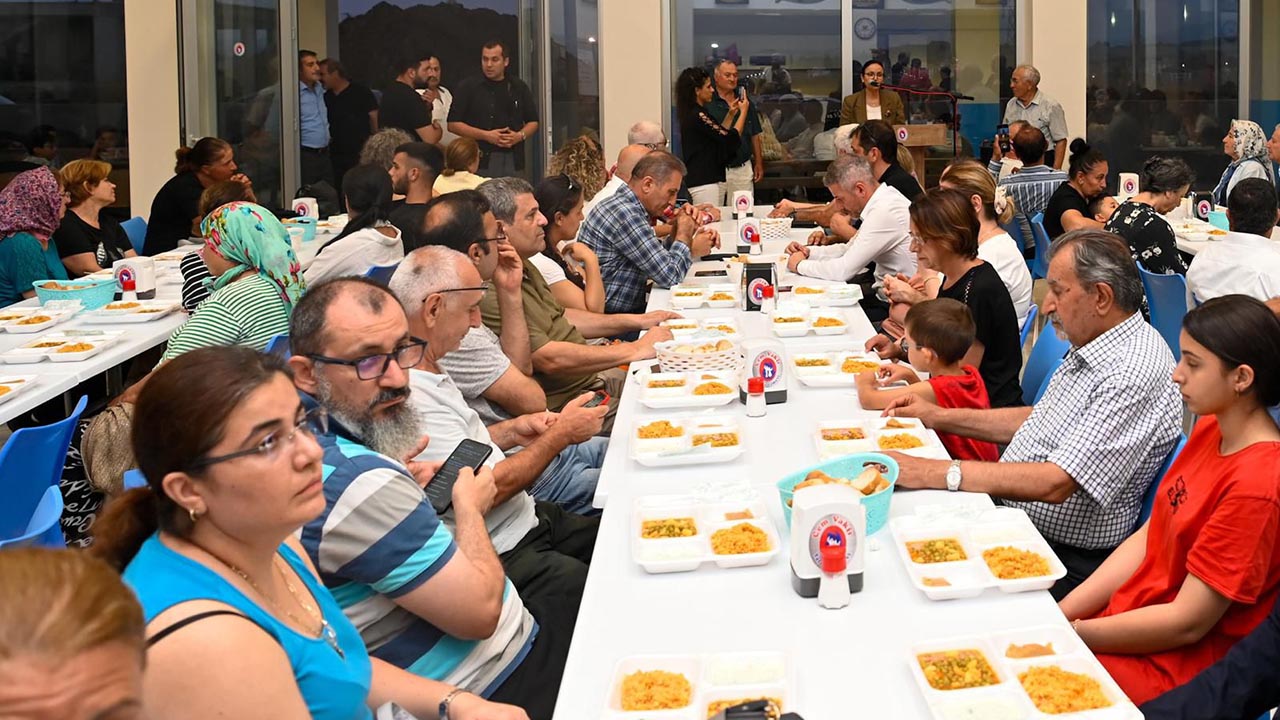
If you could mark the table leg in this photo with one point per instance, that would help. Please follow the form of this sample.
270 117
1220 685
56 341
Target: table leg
115 380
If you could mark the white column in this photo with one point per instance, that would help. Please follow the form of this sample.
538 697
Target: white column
631 77
151 59
1058 50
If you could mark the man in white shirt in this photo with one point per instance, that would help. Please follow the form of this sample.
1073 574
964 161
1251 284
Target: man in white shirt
1040 111
628 156
1246 260
439 98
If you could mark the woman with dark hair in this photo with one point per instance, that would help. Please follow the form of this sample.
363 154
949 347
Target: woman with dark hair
195 273
31 206
87 240
369 238
238 623
570 268
1204 570
1068 207
175 207
1165 181
706 145
873 102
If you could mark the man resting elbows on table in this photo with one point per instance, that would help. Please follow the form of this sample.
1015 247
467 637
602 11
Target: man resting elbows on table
1080 460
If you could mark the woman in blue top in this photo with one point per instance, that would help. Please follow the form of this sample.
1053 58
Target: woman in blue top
31 208
238 624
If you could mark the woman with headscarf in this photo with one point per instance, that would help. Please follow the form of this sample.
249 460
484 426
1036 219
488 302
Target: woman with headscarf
31 207
1246 145
256 279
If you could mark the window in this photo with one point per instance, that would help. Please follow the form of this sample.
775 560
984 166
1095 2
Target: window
1264 64
574 70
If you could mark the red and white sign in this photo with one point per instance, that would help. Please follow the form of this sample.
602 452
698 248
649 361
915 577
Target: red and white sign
238 49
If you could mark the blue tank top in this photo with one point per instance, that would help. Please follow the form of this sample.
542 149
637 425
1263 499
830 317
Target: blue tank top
333 687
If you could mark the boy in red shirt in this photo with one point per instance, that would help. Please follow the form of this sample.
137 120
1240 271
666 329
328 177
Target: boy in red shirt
938 334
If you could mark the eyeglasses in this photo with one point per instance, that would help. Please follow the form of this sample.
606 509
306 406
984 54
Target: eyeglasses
656 146
482 287
497 238
372 367
314 422
908 347
873 75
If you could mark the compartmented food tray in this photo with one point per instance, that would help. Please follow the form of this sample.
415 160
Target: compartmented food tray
872 433
687 389
680 533
695 687
688 440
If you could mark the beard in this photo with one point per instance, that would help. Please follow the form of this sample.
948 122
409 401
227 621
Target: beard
394 433
400 186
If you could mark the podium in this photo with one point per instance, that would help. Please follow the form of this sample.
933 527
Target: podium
918 138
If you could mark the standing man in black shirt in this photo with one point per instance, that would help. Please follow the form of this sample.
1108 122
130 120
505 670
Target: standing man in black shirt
353 116
497 111
403 107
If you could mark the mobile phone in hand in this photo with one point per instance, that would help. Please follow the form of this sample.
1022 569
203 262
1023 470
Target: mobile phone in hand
1002 131
601 397
468 453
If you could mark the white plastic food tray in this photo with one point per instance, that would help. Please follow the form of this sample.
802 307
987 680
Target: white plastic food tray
666 452
713 677
683 396
873 428
683 554
829 374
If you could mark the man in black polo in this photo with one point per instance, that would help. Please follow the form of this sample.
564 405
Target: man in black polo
877 141
497 111
353 116
403 107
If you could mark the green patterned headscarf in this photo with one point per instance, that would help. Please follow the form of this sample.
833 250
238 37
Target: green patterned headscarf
248 235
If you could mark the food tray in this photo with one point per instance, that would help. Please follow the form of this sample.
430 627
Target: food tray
683 396
712 677
976 533
12 386
709 328
666 452
825 295
831 374
685 297
1006 699
873 428
174 256
673 356
53 342
146 311
682 554
18 327
809 319
11 315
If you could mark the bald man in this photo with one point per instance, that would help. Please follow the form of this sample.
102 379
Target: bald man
627 159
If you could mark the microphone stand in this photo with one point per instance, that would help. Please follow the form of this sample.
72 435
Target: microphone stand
953 98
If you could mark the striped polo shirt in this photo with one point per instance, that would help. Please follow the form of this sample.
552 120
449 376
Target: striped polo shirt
1030 187
248 312
379 539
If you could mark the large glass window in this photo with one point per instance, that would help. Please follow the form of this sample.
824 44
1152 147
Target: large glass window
62 87
1163 79
1264 64
574 69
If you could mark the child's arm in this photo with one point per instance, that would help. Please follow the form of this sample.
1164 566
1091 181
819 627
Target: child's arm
872 397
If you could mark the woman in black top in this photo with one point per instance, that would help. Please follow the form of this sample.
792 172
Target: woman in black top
1068 208
1165 181
175 208
88 241
706 144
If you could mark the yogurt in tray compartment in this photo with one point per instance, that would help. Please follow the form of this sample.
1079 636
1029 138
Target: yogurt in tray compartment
695 687
676 533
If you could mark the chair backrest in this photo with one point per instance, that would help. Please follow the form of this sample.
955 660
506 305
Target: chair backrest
1149 498
134 479
30 463
44 527
136 229
1040 266
279 345
1014 228
381 273
1167 301
1044 359
1028 324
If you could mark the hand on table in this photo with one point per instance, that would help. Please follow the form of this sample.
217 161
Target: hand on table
890 373
817 237
882 345
913 472
912 406
784 208
653 317
797 257
795 247
644 345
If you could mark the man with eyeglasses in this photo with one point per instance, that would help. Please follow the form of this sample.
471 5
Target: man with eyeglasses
441 610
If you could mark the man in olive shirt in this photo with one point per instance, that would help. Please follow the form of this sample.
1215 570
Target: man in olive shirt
563 363
747 166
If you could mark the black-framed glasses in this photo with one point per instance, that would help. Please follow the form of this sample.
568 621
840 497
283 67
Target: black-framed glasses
372 367
501 236
482 287
656 146
314 422
907 347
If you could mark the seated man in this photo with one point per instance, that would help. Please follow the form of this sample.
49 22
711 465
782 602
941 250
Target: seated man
559 461
630 254
414 169
1035 183
494 373
877 141
1079 461
628 156
420 602
563 363
1247 259
828 215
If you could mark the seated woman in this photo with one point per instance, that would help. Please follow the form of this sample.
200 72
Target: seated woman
195 274
1205 569
944 236
88 241
580 160
176 206
570 268
369 238
1068 207
1165 181
255 281
238 623
71 645
31 207
461 163
1246 144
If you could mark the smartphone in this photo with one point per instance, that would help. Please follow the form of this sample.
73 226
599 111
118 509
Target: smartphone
804 224
468 453
742 92
1002 131
601 397
711 273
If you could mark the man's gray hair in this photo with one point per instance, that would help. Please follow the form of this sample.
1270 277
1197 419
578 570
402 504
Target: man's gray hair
502 193
425 271
1032 73
1103 257
848 170
645 132
659 165
843 139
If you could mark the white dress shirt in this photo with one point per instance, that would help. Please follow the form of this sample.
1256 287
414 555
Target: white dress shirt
440 114
1238 263
884 238
608 190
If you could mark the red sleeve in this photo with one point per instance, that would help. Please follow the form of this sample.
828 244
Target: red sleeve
1233 552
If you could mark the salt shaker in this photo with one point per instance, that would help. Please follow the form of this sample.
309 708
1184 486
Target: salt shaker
755 397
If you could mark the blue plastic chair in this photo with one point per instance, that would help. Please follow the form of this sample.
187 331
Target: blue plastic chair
1027 324
381 273
1149 497
30 468
1040 266
1167 301
136 229
1044 359
1014 228
278 345
134 479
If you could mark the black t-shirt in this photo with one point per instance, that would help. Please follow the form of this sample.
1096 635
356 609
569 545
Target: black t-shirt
1063 199
901 180
402 107
996 323
488 105
108 242
349 118
707 146
408 217
173 211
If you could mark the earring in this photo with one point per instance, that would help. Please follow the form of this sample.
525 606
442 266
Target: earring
191 513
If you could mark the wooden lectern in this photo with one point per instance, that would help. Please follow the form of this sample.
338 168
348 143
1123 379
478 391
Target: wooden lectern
918 138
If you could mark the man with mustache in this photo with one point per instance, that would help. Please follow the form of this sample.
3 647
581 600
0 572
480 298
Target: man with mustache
1080 461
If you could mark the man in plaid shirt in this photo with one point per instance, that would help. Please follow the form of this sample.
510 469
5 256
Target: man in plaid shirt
620 231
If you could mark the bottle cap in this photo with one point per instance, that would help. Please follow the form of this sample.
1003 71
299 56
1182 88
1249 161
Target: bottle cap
129 285
755 385
833 560
767 291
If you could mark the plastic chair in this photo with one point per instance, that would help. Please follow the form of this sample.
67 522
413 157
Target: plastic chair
1167 301
1014 228
134 479
1149 497
1040 266
136 229
44 528
1044 359
1044 384
30 468
278 345
381 273
1027 324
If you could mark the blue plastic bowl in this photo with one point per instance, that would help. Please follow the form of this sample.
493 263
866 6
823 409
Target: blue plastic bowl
848 466
92 294
308 225
1218 219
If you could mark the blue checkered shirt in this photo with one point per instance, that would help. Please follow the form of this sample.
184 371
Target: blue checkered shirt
619 232
1031 188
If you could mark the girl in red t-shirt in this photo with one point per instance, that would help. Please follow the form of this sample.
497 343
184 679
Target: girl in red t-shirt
1205 569
938 335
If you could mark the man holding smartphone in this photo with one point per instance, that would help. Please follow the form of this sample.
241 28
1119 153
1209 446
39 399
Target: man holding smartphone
747 166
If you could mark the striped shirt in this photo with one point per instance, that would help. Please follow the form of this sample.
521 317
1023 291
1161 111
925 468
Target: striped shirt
247 312
1030 187
379 539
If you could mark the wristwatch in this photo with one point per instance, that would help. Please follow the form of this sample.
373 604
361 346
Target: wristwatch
953 476
443 709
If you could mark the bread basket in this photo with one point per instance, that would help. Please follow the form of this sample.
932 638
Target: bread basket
676 355
778 229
